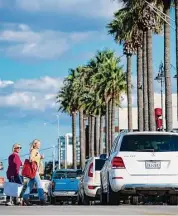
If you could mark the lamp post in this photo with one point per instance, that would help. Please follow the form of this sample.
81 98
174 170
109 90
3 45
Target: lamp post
58 144
160 78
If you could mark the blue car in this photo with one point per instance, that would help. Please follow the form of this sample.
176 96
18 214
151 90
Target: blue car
65 185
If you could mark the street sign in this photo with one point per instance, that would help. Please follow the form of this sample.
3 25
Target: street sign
1 166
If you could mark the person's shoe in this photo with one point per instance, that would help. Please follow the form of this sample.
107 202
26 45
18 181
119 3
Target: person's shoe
26 202
43 202
9 204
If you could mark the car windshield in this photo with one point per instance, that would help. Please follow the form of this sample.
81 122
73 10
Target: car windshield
66 174
99 163
150 143
1 190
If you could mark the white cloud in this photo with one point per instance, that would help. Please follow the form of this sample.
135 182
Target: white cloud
34 94
5 83
24 42
47 83
86 8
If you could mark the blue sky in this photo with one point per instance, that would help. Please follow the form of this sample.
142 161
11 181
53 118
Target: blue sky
39 41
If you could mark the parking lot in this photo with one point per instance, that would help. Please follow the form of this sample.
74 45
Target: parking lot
90 210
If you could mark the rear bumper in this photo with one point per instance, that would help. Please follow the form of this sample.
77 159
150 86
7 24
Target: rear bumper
149 189
93 193
64 194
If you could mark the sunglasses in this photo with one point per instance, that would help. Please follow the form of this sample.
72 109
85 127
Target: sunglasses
18 148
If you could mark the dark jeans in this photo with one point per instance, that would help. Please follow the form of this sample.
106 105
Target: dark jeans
16 179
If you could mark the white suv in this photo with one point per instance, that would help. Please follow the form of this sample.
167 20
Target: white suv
141 164
89 187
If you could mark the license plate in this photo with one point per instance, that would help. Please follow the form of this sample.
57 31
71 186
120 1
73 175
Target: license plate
153 165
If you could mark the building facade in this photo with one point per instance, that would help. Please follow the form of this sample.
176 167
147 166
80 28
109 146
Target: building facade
66 149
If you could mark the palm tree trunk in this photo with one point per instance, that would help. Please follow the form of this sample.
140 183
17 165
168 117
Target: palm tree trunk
82 144
97 134
150 81
176 17
168 90
90 132
101 135
107 130
129 91
84 138
139 89
145 84
74 139
113 121
92 136
110 124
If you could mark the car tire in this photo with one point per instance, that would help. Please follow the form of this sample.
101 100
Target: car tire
173 200
53 201
86 200
79 200
103 197
135 200
113 198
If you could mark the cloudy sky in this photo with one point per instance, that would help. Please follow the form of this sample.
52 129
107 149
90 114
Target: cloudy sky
39 41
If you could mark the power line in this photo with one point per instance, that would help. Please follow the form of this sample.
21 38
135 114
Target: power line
29 153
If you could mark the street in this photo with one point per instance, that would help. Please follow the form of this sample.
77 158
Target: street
90 210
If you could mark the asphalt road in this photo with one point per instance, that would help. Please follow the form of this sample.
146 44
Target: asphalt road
89 210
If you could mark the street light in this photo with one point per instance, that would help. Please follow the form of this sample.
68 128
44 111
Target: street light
160 78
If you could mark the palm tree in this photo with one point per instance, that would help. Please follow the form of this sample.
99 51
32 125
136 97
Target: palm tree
67 99
121 29
168 89
176 19
111 83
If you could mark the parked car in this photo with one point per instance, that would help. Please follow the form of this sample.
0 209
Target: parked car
3 197
64 185
34 193
89 187
141 164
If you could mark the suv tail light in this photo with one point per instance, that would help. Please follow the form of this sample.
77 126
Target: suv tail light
117 163
90 171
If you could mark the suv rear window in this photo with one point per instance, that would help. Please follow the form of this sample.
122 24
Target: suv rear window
146 143
99 163
1 190
65 174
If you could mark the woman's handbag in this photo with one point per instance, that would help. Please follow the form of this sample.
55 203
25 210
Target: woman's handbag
29 169
13 189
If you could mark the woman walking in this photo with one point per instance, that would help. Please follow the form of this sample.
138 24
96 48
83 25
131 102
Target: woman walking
14 164
35 156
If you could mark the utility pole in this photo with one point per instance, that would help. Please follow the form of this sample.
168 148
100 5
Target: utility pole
53 155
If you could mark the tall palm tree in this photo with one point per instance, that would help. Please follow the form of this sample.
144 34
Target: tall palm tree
168 87
121 29
111 83
176 19
67 103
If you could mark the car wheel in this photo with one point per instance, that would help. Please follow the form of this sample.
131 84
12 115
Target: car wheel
53 201
85 200
73 202
113 198
103 197
79 200
135 200
173 200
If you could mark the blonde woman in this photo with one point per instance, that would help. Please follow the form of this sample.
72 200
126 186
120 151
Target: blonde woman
35 156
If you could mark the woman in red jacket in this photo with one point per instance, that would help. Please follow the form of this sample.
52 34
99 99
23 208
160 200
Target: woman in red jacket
15 163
